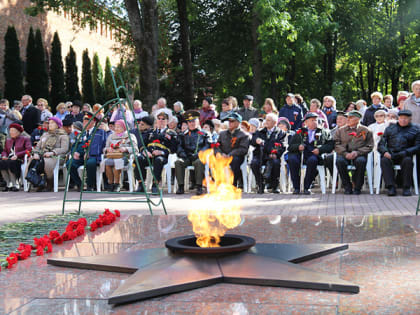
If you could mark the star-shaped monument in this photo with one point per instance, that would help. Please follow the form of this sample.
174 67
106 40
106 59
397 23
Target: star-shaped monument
160 271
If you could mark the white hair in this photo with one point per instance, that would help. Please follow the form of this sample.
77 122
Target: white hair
272 116
179 103
163 100
173 119
417 82
137 102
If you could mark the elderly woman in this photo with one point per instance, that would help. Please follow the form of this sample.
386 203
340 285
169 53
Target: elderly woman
61 111
361 106
388 100
53 145
12 156
138 111
269 107
118 146
42 105
315 107
179 112
227 109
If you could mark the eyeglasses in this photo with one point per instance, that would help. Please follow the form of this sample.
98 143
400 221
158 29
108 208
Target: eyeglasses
160 118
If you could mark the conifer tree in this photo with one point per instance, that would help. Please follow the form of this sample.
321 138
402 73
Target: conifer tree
31 67
42 81
108 83
87 87
97 80
12 66
72 80
58 93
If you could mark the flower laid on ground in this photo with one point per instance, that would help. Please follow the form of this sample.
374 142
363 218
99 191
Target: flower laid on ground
45 243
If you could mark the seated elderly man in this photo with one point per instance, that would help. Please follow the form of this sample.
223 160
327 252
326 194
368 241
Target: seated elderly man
399 143
353 143
308 143
160 143
92 140
269 147
235 143
190 143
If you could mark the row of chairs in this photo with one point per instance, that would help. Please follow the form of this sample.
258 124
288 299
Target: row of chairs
373 171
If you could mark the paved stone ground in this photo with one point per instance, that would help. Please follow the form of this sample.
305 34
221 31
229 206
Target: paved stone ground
22 206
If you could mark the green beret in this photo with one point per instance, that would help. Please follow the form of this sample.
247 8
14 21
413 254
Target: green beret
355 113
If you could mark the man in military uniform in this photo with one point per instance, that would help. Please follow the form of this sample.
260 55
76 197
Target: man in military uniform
399 143
235 143
190 142
269 144
309 143
97 144
160 143
341 120
353 143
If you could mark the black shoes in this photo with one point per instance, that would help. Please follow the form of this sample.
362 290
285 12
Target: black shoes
110 187
180 190
348 191
275 190
17 189
307 192
260 189
199 190
89 189
116 188
392 191
296 191
406 192
357 191
5 189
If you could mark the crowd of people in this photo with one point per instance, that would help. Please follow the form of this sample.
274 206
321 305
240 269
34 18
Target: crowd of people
296 134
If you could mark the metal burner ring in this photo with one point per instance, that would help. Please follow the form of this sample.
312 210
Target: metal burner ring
229 243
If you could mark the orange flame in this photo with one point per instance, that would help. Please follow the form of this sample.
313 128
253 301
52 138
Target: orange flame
219 210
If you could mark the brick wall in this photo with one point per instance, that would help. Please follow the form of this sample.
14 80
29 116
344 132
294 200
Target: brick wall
12 13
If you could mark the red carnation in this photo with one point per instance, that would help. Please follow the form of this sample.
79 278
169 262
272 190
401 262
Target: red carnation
273 152
99 223
76 133
291 123
39 128
82 222
80 230
156 141
380 134
200 133
40 251
58 240
93 226
49 248
53 235
65 236
353 134
117 213
277 144
299 131
12 259
45 129
305 133
215 145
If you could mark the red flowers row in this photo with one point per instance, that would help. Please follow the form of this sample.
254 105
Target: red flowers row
115 146
73 230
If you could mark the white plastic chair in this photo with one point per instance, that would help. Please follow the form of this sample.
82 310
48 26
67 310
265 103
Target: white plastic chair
98 175
56 173
397 167
166 172
369 170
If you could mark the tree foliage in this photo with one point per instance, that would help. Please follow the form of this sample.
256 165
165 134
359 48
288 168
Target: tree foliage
87 86
97 79
31 67
57 93
108 83
12 66
72 80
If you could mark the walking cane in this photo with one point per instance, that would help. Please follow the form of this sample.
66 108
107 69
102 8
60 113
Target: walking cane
302 171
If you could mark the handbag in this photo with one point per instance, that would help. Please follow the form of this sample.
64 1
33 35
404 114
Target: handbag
114 155
36 174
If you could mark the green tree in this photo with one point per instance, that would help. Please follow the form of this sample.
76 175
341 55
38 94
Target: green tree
87 87
41 82
108 83
57 93
71 77
31 67
12 66
97 79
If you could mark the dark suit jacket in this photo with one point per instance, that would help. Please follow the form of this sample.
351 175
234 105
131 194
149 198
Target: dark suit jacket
31 119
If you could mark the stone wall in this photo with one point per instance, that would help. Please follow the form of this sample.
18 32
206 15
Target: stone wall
12 13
